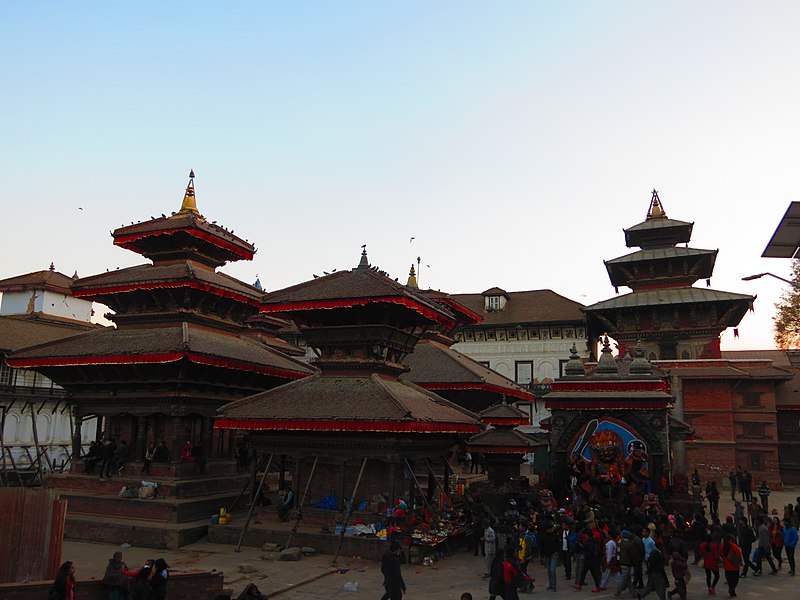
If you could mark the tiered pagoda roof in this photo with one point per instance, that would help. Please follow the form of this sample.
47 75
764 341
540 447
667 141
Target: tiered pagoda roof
178 320
363 324
663 306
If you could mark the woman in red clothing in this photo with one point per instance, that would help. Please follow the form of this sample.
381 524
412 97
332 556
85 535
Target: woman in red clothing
731 561
776 539
511 575
710 553
64 584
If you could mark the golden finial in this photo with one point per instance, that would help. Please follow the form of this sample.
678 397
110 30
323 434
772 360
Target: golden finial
412 279
189 203
656 210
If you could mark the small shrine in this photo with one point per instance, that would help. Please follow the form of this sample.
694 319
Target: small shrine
501 444
610 430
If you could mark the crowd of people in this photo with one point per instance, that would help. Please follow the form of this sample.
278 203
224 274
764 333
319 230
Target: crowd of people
629 550
120 582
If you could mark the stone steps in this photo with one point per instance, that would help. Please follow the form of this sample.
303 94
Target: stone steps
159 510
137 532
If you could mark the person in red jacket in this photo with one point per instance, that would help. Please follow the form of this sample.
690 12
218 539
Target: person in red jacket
511 575
709 552
731 561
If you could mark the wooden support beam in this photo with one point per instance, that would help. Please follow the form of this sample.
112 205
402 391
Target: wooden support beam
302 502
252 506
349 510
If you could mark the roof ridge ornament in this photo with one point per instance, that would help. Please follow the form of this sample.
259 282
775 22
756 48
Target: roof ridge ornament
412 278
574 366
656 210
363 264
607 365
189 203
640 365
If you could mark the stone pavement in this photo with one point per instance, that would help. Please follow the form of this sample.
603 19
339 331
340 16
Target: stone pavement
315 578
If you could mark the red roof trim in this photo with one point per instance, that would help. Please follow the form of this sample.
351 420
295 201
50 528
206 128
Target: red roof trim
335 425
205 287
787 407
75 361
606 404
460 308
351 302
127 241
595 385
486 387
505 421
501 449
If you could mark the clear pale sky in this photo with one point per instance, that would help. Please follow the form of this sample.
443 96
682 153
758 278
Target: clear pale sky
512 140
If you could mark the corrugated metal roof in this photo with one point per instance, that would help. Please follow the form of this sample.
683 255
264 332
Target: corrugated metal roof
659 254
667 296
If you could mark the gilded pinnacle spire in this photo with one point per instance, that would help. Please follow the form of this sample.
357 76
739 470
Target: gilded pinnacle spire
189 203
412 279
363 264
656 210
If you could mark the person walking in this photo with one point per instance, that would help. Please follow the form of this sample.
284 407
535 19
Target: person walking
789 542
567 540
489 539
64 583
763 494
746 537
610 567
732 559
496 585
626 557
679 570
763 548
392 575
548 544
511 575
656 576
776 540
711 557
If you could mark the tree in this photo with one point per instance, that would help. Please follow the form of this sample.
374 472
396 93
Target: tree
787 319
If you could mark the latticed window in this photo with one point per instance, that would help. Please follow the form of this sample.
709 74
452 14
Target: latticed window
6 373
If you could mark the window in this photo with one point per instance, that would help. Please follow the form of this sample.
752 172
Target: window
524 371
751 399
756 461
562 362
5 372
494 302
753 430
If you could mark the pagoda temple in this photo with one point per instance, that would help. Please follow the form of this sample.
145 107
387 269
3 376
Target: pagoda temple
610 429
181 348
356 412
673 319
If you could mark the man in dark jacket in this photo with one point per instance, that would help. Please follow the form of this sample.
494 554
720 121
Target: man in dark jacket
392 576
746 537
548 544
626 558
656 575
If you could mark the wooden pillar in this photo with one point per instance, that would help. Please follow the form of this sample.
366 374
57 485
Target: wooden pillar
446 485
282 476
344 482
140 446
177 438
392 488
75 456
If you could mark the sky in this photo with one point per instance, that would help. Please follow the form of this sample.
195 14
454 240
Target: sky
512 140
